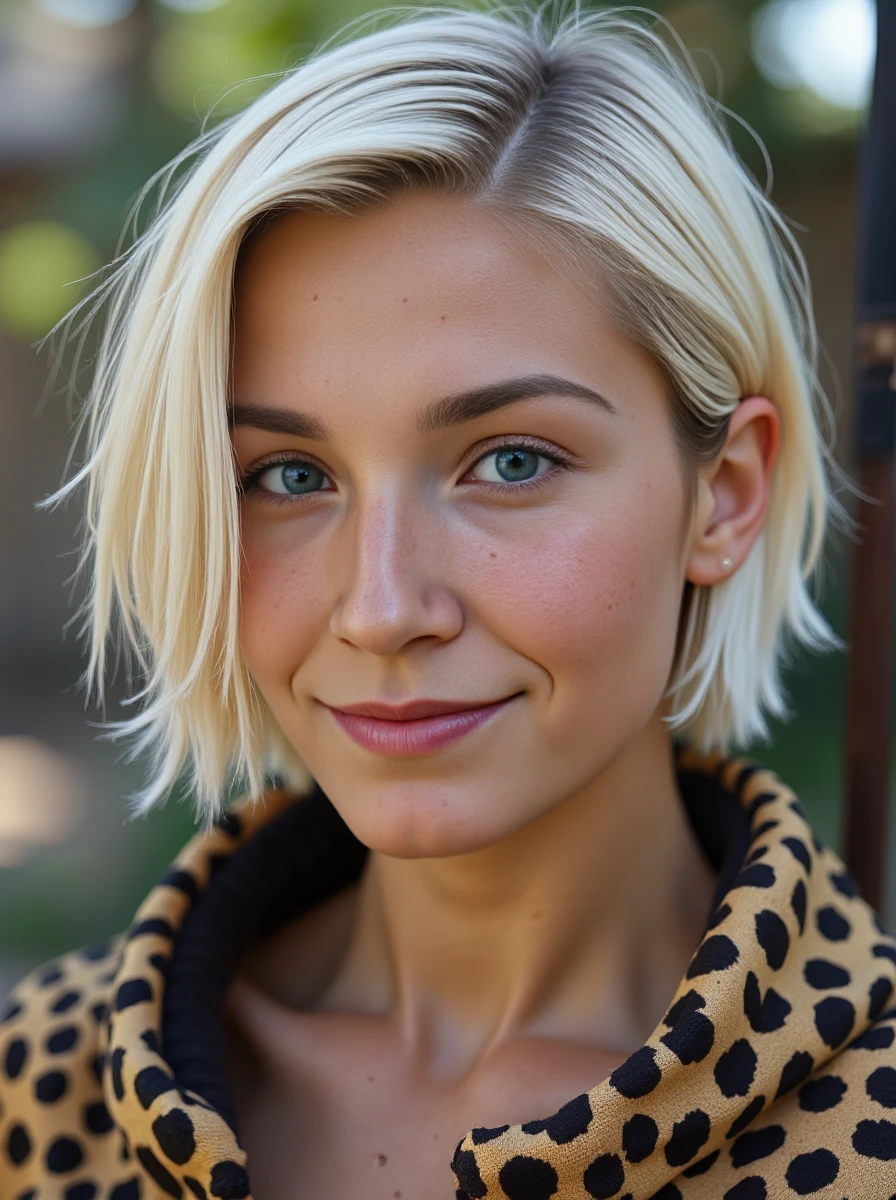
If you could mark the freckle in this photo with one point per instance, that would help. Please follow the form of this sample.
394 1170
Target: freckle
443 802
536 915
397 1195
370 1079
316 294
435 1137
441 318
381 1160
404 300
492 554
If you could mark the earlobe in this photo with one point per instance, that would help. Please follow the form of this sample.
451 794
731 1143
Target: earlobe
734 492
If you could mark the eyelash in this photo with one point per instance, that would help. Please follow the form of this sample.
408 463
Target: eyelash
560 461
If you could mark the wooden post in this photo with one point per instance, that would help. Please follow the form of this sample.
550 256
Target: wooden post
871 621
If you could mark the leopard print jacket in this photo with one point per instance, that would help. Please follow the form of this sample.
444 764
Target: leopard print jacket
772 1074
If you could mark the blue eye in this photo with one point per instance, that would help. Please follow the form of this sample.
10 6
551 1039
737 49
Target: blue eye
510 464
293 478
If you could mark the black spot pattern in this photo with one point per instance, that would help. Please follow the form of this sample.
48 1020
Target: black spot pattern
808 1173
874 1039
81 1191
525 1178
751 1188
64 1154
568 1123
50 1087
794 1071
821 974
759 876
878 995
688 1138
18 1144
875 1139
690 1001
97 1119
229 1181
480 1135
834 1019
639 1135
151 925
757 1144
117 1082
466 1169
174 1133
126 1191
161 1175
638 1075
750 1113
720 914
691 1039
63 1040
800 852
818 1095
183 881
604 1177
832 924
736 1068
15 1058
64 1002
150 1083
765 1013
881 1086
844 884
772 936
885 950
132 991
716 953
798 904
701 1166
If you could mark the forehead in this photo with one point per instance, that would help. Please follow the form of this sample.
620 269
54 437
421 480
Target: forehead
419 296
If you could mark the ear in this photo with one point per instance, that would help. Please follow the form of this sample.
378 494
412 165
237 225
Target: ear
733 493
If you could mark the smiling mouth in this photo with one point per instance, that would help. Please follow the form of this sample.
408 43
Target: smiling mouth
415 727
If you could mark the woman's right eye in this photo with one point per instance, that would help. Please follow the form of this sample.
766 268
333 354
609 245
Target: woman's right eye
292 477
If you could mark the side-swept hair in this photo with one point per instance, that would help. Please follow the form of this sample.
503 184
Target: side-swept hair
591 129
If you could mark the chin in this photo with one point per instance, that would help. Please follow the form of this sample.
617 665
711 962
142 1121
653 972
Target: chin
425 820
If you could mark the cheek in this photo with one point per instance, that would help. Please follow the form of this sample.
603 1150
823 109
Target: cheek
594 602
282 605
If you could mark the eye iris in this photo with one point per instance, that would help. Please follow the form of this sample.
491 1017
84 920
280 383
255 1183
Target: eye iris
299 477
516 465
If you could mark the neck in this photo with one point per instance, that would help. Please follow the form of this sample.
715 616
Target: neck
579 926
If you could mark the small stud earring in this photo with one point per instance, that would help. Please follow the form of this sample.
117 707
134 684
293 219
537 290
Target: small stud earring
727 564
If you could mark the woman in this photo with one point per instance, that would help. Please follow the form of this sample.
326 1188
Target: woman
452 445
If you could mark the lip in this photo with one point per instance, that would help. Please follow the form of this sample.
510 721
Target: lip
414 727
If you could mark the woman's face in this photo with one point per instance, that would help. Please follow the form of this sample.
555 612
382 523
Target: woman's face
425 519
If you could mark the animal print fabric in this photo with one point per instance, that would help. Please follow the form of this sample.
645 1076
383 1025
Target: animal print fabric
772 1073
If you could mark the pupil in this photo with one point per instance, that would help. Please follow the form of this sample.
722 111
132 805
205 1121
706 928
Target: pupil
301 477
516 465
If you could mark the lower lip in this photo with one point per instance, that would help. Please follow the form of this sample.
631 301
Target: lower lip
404 739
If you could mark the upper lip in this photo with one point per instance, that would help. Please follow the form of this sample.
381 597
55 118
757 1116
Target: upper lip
412 710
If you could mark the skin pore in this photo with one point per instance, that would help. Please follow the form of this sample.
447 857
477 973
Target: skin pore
534 891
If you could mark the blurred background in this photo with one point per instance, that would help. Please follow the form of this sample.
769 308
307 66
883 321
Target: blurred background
95 96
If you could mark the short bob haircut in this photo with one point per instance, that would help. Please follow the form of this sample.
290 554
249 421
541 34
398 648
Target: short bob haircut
594 134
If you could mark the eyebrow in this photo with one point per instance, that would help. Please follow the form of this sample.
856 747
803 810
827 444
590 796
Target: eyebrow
441 414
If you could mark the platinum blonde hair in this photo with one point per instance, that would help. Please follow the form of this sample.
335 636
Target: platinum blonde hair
593 131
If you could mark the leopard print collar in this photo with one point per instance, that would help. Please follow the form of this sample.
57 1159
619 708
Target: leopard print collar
793 968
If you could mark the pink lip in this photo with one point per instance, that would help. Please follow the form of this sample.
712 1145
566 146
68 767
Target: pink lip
416 727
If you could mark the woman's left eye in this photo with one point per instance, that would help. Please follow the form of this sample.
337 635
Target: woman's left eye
510 464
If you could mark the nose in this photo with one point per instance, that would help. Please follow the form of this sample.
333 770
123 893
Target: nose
391 593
